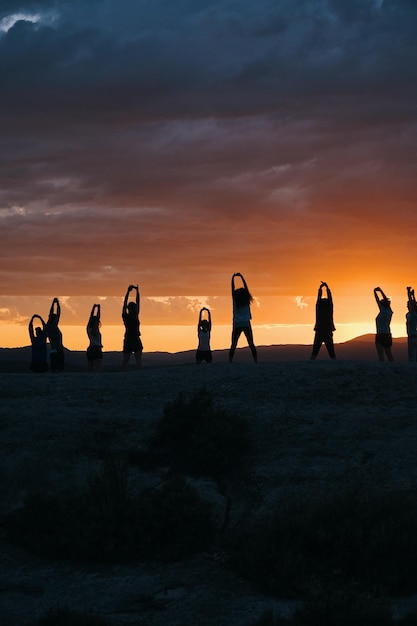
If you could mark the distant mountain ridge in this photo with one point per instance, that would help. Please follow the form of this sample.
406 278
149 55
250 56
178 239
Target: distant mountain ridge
360 348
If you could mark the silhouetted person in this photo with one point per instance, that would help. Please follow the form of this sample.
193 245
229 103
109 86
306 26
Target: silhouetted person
203 331
324 326
242 316
411 324
56 352
383 338
95 349
38 337
132 341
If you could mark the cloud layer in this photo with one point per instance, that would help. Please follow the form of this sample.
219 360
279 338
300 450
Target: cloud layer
173 143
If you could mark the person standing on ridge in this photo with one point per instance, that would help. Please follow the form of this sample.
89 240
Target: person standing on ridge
132 341
203 331
56 353
411 324
95 349
38 337
383 337
324 326
242 299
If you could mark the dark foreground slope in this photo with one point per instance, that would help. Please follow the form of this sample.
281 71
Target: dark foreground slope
316 429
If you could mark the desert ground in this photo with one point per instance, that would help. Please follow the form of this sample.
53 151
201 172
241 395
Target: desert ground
315 427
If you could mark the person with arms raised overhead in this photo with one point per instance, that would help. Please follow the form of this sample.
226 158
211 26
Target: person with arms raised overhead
411 324
203 331
324 326
95 349
383 337
241 299
38 337
132 341
56 352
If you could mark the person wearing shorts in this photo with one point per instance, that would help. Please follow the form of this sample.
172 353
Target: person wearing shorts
56 352
383 337
95 348
38 337
411 325
132 342
241 299
203 332
324 326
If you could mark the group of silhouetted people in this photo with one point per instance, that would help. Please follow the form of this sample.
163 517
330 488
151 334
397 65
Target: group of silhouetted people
325 327
39 336
241 301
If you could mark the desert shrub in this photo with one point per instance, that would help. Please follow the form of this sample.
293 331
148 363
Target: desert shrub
200 438
141 458
104 523
367 539
269 619
67 617
342 607
407 620
334 607
175 521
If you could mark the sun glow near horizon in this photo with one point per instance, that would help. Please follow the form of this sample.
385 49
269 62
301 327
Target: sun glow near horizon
180 338
276 320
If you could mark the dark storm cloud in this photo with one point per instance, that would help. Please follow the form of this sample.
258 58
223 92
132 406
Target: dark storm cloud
217 50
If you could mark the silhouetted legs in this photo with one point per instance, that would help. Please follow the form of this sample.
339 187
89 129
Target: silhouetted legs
57 358
236 332
328 342
383 343
126 357
412 349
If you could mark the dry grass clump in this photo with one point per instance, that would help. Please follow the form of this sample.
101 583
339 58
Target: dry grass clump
199 438
105 523
339 607
364 540
67 617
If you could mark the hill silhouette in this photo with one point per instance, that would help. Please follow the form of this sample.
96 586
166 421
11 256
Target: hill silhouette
360 348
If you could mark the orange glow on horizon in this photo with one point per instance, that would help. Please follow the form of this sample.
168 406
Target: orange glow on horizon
180 338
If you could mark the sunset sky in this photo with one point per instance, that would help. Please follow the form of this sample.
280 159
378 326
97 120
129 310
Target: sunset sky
171 143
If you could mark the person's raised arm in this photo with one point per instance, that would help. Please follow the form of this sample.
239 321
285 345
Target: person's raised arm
58 310
98 307
384 297
137 299
91 317
244 282
233 282
328 292
30 327
320 291
376 291
209 318
124 309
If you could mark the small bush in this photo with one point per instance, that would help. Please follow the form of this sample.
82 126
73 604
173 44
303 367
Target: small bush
201 439
66 617
105 523
269 619
408 620
338 607
363 539
342 607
